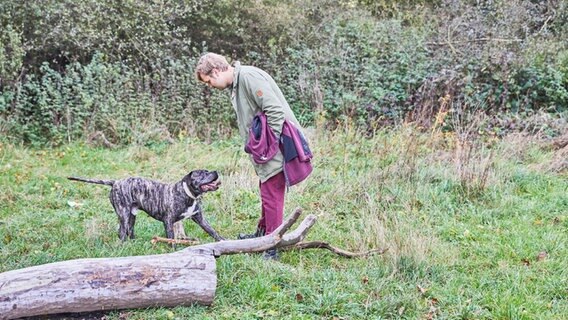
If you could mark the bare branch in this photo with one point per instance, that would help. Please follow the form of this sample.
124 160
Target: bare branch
338 251
299 234
189 242
256 244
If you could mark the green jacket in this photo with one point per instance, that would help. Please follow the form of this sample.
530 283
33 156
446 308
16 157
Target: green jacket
254 90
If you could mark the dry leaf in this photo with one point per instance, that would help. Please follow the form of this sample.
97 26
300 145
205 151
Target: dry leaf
526 262
542 256
124 316
431 313
74 204
421 289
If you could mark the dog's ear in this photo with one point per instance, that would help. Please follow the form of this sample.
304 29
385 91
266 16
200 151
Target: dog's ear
192 183
187 178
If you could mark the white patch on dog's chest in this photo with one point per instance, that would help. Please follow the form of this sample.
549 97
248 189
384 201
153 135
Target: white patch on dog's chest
190 211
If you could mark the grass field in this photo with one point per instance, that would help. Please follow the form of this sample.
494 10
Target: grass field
475 228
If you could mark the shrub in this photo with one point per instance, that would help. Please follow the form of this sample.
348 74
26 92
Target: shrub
122 103
123 70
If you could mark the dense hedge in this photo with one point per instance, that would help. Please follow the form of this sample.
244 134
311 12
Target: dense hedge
123 69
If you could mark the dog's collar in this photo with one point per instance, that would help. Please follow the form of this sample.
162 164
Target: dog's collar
188 192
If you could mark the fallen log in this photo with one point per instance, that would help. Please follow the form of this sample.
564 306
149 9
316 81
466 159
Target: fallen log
180 278
109 283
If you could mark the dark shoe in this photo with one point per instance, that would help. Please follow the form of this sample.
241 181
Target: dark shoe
259 233
271 254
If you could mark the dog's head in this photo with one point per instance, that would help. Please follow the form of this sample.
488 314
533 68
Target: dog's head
201 181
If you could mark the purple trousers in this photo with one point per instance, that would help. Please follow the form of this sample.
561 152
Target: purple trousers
272 193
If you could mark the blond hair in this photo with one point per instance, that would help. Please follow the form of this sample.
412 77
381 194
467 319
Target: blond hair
208 62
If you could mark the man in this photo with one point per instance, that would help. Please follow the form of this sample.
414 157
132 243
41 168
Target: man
252 91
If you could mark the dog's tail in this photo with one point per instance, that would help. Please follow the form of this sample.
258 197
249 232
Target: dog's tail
96 181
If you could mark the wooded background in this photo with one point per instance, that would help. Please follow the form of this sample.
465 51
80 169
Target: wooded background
70 70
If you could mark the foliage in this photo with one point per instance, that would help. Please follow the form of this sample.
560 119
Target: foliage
375 66
121 103
375 62
385 8
11 55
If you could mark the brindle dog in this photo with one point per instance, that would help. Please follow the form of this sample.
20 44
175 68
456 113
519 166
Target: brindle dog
168 203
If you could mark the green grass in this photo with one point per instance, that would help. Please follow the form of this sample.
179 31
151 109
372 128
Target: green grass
463 229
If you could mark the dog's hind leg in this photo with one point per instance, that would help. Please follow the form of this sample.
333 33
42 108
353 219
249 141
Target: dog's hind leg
121 211
126 227
124 210
123 226
130 226
123 220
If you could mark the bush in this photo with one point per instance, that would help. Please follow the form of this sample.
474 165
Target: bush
124 69
122 103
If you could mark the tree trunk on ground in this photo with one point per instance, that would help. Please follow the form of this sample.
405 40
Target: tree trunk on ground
175 279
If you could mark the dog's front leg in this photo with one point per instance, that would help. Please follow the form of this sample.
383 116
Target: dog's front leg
169 226
200 220
179 231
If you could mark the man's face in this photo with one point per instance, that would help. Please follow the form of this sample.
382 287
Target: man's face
216 79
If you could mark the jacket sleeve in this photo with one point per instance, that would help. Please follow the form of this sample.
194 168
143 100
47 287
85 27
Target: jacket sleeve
263 95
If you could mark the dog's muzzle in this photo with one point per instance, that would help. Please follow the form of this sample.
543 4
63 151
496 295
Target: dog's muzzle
211 186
